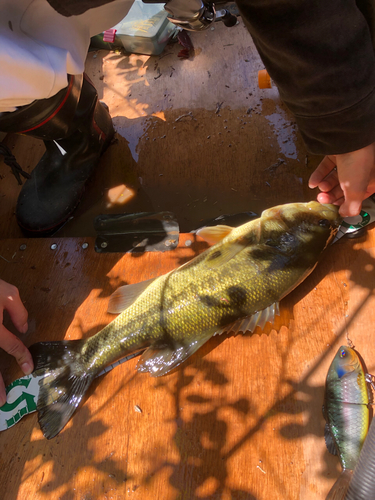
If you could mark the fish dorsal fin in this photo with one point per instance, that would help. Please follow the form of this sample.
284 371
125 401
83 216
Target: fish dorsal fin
330 443
125 295
249 323
160 359
214 234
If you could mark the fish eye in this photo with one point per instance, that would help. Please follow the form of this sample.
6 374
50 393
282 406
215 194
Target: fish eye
342 353
324 223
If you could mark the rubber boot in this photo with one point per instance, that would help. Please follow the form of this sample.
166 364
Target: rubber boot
76 129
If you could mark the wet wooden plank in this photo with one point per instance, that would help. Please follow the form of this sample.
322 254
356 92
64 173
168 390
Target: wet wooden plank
240 419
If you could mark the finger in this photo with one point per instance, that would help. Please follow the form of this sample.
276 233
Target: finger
12 302
339 202
330 182
350 208
332 196
13 346
324 168
354 171
3 396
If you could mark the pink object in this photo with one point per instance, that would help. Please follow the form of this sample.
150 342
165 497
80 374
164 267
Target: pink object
109 35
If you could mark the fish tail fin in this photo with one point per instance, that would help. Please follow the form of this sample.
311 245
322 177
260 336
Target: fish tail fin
63 381
339 489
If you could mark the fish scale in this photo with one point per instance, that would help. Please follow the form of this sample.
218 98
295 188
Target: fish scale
347 424
346 415
203 309
241 278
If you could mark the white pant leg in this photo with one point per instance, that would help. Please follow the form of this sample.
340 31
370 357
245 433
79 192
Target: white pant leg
39 47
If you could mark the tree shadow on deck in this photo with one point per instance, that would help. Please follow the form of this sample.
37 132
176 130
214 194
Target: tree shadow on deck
214 422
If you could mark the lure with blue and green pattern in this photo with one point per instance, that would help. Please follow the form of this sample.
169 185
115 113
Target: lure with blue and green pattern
347 414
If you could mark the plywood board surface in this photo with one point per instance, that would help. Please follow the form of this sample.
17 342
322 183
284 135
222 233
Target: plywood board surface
241 419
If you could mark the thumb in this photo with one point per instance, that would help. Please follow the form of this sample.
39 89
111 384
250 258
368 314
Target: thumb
354 171
350 208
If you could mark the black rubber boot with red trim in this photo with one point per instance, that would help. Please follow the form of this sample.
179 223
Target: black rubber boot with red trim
76 129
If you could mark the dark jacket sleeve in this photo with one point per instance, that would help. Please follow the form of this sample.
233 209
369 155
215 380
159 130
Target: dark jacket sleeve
320 55
69 8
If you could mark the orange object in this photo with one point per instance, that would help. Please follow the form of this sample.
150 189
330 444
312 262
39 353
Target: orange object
264 79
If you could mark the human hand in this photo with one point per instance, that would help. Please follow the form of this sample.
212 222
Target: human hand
346 179
11 302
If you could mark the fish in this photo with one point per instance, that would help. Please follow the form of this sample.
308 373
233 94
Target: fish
346 413
235 285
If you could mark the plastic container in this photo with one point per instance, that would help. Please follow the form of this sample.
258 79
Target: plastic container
146 29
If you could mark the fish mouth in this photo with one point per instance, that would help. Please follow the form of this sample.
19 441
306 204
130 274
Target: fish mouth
325 210
331 212
322 207
329 207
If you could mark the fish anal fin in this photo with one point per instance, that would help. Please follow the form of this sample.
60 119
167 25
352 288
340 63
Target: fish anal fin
125 295
330 443
159 359
249 323
214 234
62 381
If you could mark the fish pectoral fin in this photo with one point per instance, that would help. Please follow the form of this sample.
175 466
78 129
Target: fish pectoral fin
214 234
249 323
63 382
223 253
160 359
125 295
330 443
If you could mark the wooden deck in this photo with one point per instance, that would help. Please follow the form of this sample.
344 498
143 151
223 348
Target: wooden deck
196 137
241 419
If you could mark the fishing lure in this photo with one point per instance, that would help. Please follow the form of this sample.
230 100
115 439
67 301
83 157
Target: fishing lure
347 414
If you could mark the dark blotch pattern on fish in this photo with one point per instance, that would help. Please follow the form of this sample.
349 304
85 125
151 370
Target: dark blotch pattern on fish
215 255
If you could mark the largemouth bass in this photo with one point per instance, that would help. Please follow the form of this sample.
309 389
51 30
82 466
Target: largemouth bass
347 414
237 283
